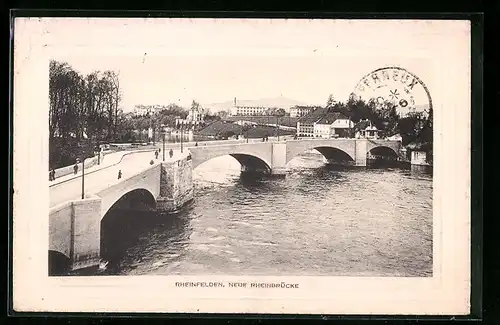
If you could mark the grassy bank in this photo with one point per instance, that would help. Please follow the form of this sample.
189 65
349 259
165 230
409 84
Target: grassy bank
285 120
227 129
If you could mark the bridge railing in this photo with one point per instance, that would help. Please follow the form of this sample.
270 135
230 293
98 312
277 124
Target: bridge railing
123 154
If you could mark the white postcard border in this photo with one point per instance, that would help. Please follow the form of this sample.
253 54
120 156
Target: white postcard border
447 292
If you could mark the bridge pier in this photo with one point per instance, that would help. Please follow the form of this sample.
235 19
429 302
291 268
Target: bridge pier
360 151
278 159
176 185
75 231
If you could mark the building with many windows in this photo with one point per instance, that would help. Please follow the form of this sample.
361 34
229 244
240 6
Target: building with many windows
332 125
305 128
305 125
250 110
143 110
299 111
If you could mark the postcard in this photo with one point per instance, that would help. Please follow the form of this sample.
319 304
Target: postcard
277 166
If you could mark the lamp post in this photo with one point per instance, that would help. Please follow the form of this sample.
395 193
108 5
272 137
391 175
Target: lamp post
96 149
277 127
163 133
182 133
82 154
83 177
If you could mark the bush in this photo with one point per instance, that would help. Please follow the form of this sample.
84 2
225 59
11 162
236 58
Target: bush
64 152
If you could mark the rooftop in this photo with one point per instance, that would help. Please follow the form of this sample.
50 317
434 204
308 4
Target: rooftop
329 118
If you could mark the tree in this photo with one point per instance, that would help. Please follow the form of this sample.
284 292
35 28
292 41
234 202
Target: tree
409 127
82 108
223 114
280 112
330 103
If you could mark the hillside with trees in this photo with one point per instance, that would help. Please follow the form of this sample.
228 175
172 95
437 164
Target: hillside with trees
413 127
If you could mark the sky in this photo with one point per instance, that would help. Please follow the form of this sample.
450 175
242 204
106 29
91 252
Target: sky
210 61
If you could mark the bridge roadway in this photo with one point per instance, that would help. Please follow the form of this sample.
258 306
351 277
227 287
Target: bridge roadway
98 180
100 177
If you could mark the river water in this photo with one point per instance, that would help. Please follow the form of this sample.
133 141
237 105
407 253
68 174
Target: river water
318 220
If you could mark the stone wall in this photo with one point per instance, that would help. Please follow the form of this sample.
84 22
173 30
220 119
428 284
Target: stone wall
63 171
176 185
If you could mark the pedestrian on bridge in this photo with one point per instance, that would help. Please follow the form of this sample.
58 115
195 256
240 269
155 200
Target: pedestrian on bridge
119 174
75 168
171 153
52 175
156 154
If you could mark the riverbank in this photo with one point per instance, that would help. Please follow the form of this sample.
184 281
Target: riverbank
227 129
265 120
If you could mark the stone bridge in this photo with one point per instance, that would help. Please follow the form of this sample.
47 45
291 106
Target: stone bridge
75 223
273 157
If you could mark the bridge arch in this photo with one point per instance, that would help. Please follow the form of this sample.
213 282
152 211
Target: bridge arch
252 156
383 151
341 151
136 199
248 162
59 263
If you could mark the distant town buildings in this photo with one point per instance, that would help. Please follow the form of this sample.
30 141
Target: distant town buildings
305 125
299 111
249 110
196 116
333 125
143 110
419 158
324 123
305 128
252 110
365 130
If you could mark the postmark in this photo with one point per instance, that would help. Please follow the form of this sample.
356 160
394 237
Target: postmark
396 85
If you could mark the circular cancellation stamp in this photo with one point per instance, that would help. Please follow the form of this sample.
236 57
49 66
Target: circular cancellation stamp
396 85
